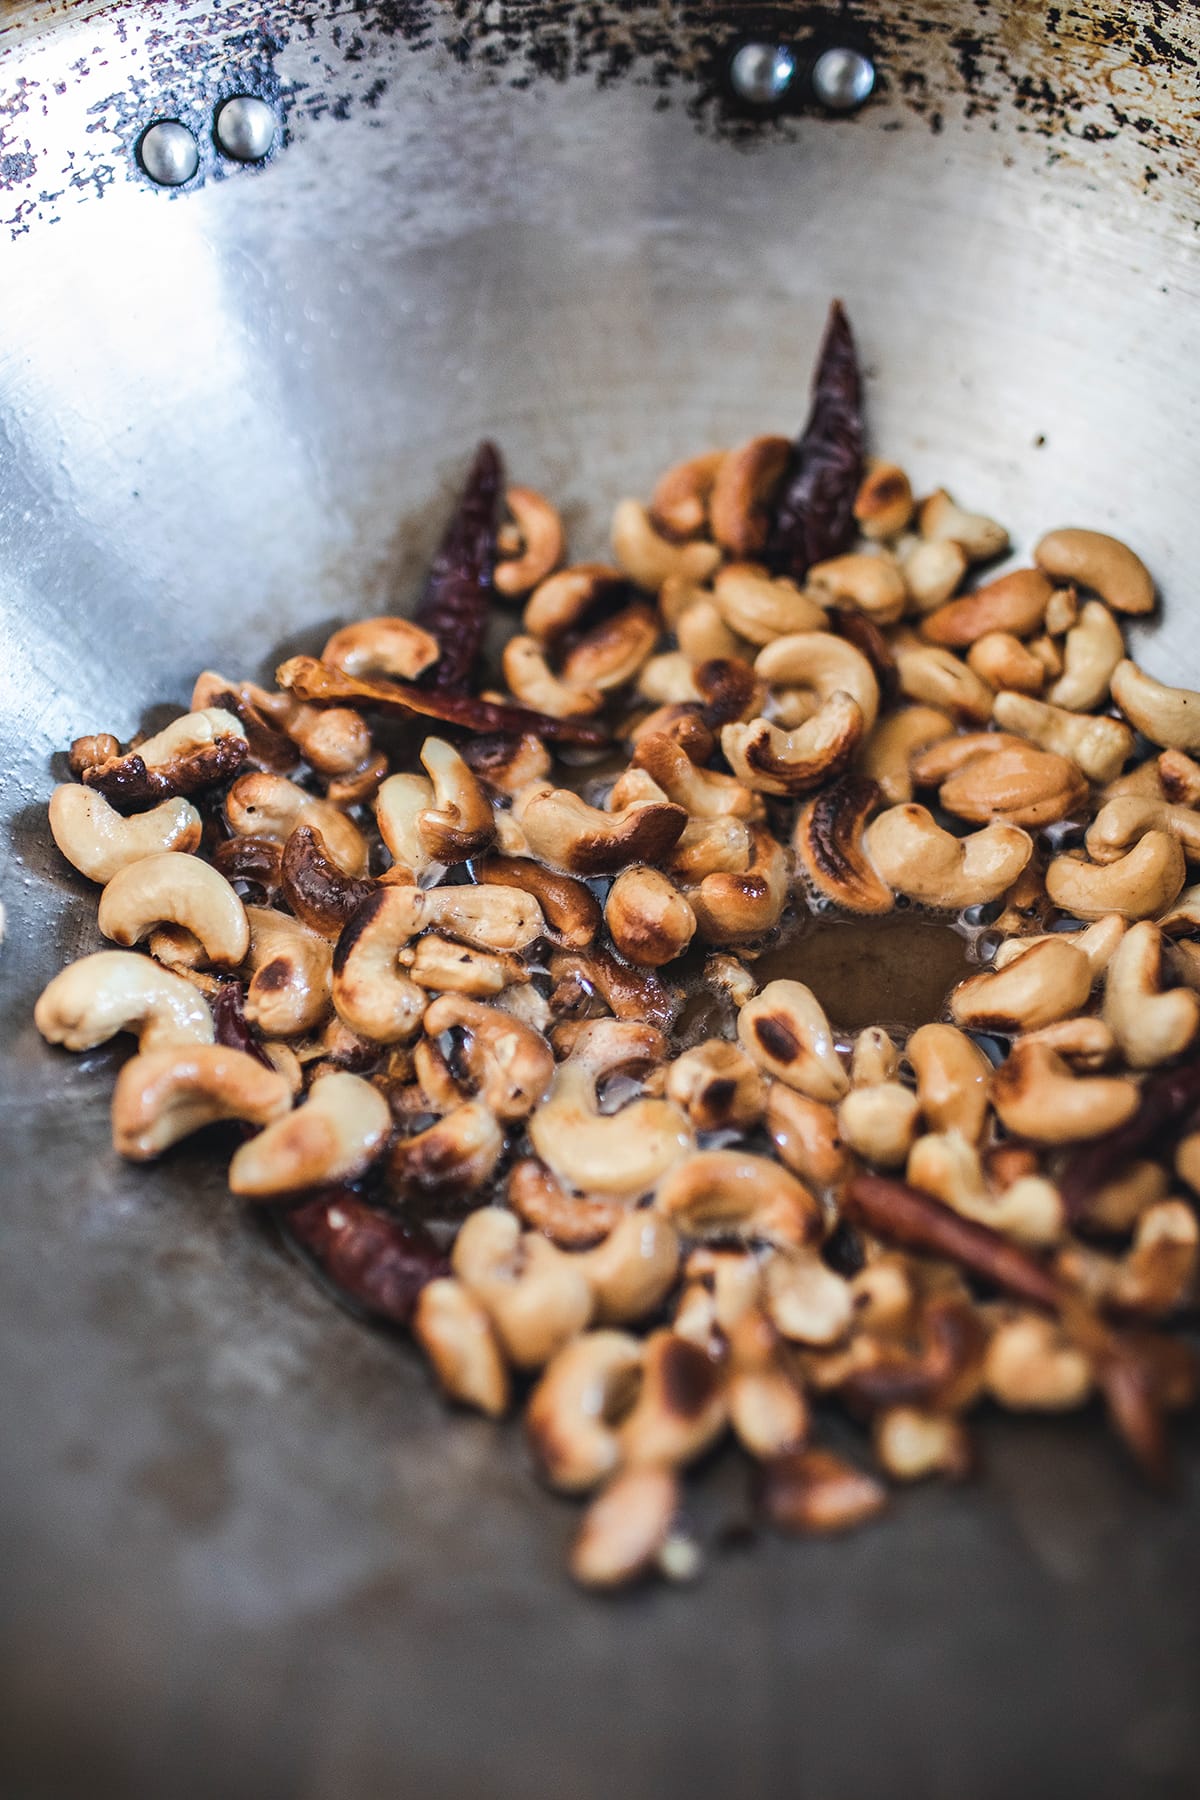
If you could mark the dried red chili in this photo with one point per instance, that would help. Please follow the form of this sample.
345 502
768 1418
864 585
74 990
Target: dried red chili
1168 1100
369 1257
814 510
459 590
230 1025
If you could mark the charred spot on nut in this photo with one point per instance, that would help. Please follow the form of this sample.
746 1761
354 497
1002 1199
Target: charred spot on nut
828 845
777 1038
689 1378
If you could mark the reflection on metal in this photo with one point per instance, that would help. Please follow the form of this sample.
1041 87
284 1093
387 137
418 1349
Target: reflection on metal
842 79
245 128
168 153
761 74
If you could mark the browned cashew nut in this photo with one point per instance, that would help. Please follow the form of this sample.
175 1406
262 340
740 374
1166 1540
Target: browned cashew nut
1139 885
829 847
679 503
937 678
772 761
459 824
1014 603
1039 1097
455 1156
680 1407
509 1066
571 910
952 1079
573 1221
290 967
743 487
872 583
805 1135
164 1095
381 646
99 842
718 1086
609 654
883 505
914 856
189 754
369 991
536 1296
705 793
649 559
1151 1026
565 831
575 1409
785 1031
530 678
456 1334
731 1194
334 1135
541 544
1166 715
1051 981
169 888
270 806
1002 661
737 906
1100 563
633 1270
760 607
93 999
648 918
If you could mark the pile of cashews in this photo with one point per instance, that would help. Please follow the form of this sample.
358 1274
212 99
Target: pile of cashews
462 982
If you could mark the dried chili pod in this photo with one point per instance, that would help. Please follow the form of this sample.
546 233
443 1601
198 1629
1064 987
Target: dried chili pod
459 590
230 1025
1168 1101
814 509
373 1261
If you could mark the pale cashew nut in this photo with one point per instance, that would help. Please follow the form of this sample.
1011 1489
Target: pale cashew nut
936 677
700 631
1039 1097
731 1194
626 1532
270 806
1092 651
456 1155
649 920
914 856
785 1031
648 559
772 761
1139 885
872 583
879 1122
952 1079
767 1407
566 832
718 1086
670 680
806 1300
98 841
938 518
912 1444
459 824
164 1095
541 542
616 1155
1051 981
1125 818
932 569
510 1066
760 607
169 888
381 646
400 802
1029 1209
883 504
535 1295
744 485
1002 661
1100 745
633 1270
1151 1026
679 503
1166 715
456 1334
886 754
575 1409
334 1135
529 676
1014 603
1102 564
1032 1366
820 665
93 999
290 968
1098 943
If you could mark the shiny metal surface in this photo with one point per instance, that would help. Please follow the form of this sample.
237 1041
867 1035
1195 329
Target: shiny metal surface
245 127
168 153
843 79
247 1550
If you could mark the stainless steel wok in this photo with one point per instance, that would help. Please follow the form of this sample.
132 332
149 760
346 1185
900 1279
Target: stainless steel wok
246 1552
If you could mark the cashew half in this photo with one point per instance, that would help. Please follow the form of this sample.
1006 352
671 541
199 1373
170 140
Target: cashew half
334 1135
510 1066
785 1031
1166 715
1014 603
289 988
916 857
1100 745
164 1095
456 1334
938 518
1150 1026
542 543
169 888
1100 563
1092 650
649 920
883 505
1050 982
564 831
760 607
93 999
772 761
535 1295
270 806
99 842
818 664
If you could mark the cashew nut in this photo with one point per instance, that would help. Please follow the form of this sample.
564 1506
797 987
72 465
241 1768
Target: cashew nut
820 665
1150 1026
884 502
1092 651
609 654
1139 885
879 1122
1100 563
679 504
171 888
946 1165
1100 745
932 569
937 677
829 848
456 1335
772 761
541 539
806 1300
648 559
99 842
334 1135
1166 715
454 1156
805 1135
575 1408
705 793
680 1407
164 1095
1002 661
529 676
785 1031
270 806
535 1295
572 914
381 646
760 607
718 1086
369 992
1125 818
1031 1365
650 921
980 537
562 602
744 485
700 631
189 754
1098 942
626 1531
1038 1096
885 756
730 1193
916 857
1050 982
564 831
459 824
872 583
1014 781
93 999
1015 603
633 1270
289 987
510 1065
952 1079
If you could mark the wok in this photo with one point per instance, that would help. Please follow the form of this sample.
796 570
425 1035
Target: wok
247 1550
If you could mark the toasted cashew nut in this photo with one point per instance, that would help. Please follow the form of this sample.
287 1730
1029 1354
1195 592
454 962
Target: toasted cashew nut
821 665
171 888
806 1300
650 921
932 569
937 677
981 538
369 992
679 503
772 761
626 1531
1050 982
1086 1043
1159 1273
633 1270
289 988
564 831
456 1335
454 1156
444 967
542 544
952 1079
618 1155
903 734
700 631
730 1193
270 806
383 645
563 602
1100 563
1038 1096
91 1000
572 913
912 1444
1030 1208
510 1065
879 1122
1098 942
829 851
573 1221
718 1086
705 793
1125 818
884 502
1099 745
712 846
1016 782
1166 715
648 559
536 1296
760 607
1139 885
164 1095
1002 661
334 1135
529 676
805 1135
1150 1026
609 654
188 754
916 857
745 482
1031 1365
1014 603
785 1031
872 583
767 1408
400 802
1092 651
99 842
575 1408
680 1407
459 824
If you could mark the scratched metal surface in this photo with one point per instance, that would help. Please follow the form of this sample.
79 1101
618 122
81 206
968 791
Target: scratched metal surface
246 1550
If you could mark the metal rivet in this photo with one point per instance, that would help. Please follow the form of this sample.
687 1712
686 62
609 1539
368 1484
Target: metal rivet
842 79
168 153
245 128
761 74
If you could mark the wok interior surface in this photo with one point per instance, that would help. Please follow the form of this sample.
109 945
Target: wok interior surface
248 1550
